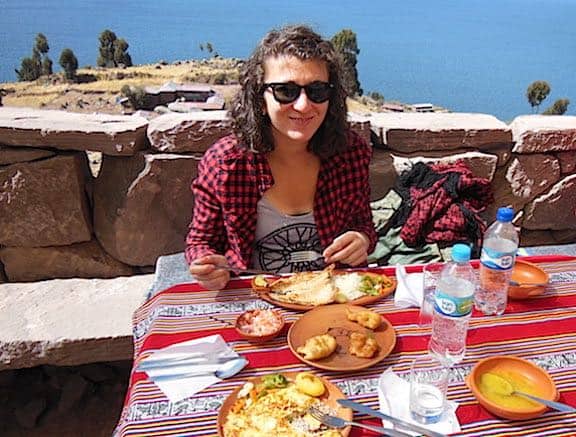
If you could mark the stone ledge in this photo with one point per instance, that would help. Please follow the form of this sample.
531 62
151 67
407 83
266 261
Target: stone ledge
69 321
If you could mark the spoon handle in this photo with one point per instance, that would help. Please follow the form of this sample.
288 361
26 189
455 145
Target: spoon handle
552 404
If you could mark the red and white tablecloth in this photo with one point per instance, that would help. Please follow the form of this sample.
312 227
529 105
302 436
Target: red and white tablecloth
542 329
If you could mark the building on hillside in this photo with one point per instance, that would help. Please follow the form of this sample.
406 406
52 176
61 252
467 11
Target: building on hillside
423 107
392 107
195 97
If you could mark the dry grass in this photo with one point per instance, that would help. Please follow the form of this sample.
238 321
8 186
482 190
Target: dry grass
100 93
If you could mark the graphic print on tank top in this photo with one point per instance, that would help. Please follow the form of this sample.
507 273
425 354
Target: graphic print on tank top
273 251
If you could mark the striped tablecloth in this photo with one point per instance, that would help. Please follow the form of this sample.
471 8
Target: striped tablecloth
542 329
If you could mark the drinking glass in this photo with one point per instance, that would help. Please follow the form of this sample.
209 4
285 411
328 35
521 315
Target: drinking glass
430 275
428 386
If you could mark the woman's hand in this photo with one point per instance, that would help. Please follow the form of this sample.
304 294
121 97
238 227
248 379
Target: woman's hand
349 248
206 270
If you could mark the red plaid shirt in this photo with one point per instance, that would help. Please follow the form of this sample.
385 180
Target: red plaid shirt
231 181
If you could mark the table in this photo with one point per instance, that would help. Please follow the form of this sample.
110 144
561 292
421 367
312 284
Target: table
542 329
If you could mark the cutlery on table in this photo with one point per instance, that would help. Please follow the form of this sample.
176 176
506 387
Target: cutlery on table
180 361
228 370
530 284
338 422
401 423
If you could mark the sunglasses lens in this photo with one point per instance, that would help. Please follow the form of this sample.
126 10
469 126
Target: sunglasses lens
318 92
286 93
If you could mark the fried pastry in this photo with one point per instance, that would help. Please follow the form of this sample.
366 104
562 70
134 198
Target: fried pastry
366 318
318 347
362 346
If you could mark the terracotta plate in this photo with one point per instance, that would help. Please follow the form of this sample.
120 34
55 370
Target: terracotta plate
365 300
524 272
332 394
332 319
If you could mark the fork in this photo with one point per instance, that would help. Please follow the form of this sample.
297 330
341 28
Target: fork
338 422
305 256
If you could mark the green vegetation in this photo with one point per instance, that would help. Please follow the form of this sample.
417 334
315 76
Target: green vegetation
346 44
31 68
113 51
69 64
136 95
538 91
559 107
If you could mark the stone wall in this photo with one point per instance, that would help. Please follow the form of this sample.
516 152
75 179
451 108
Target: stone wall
60 219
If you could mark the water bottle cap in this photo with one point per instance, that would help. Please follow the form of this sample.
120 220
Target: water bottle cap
460 253
505 215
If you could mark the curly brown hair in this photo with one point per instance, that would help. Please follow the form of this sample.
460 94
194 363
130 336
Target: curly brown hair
252 126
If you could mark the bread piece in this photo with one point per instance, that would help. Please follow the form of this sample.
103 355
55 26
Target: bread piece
366 318
362 346
318 347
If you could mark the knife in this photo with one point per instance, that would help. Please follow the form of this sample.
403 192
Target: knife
401 423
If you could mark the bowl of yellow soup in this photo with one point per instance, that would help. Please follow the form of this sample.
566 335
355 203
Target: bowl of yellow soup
492 378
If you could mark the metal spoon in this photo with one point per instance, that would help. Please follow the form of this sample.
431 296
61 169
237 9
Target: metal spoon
506 389
530 284
227 370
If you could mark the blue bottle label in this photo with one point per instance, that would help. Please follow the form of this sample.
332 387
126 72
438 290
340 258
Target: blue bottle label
497 260
453 306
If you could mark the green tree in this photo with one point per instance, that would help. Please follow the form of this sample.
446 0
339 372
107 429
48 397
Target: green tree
136 95
29 70
113 51
559 107
41 44
69 63
121 55
46 66
537 91
346 44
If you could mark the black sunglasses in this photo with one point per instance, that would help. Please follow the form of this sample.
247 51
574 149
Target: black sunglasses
288 92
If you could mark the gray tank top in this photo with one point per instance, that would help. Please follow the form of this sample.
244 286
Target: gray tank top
278 235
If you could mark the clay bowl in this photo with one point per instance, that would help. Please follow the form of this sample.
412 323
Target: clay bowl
520 369
259 326
527 272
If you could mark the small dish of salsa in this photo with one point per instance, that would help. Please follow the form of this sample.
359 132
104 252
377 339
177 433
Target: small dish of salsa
259 325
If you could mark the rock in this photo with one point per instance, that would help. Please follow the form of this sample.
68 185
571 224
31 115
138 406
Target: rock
408 132
97 372
43 203
482 165
188 132
525 177
382 174
109 134
28 415
82 260
12 155
567 162
544 133
72 391
555 209
360 124
7 377
143 205
69 321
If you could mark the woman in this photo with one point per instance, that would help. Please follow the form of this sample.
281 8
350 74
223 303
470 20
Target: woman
292 178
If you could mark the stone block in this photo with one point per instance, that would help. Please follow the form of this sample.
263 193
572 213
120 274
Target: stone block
43 203
482 165
382 174
410 132
67 322
13 155
555 209
544 133
525 177
106 133
143 205
190 132
567 162
361 125
82 260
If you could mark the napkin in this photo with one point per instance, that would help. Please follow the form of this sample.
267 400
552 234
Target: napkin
181 387
409 289
394 398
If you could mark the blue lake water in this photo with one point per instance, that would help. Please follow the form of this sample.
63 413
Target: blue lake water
465 55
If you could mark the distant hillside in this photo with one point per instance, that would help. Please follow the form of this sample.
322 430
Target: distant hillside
99 88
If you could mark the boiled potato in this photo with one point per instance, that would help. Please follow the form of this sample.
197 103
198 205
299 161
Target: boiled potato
310 384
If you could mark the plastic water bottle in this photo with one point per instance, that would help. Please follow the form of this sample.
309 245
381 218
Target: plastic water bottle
452 307
496 262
